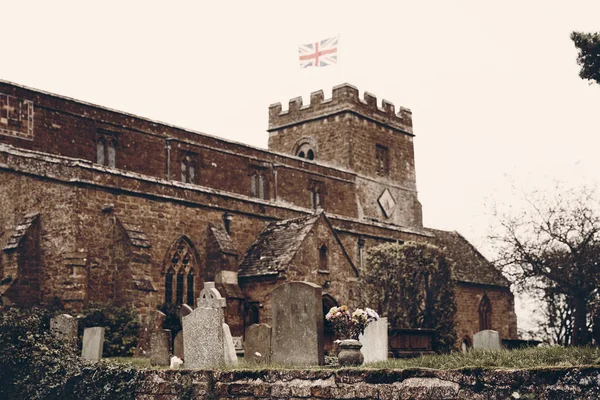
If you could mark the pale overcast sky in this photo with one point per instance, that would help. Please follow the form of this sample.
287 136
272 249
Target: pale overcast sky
493 86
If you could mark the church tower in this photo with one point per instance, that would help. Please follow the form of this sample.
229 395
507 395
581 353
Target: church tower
355 134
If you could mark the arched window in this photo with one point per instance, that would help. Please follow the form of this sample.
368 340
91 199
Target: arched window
182 264
306 150
323 264
485 313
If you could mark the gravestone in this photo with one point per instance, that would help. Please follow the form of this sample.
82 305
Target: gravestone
375 341
297 316
93 341
153 322
487 340
185 310
178 345
257 346
64 328
229 353
203 337
160 347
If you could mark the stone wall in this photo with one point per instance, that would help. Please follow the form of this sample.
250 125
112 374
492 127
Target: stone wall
503 317
346 131
556 383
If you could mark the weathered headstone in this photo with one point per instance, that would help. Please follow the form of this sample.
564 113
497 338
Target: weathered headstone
160 347
229 353
178 345
487 340
153 322
297 335
375 341
203 331
257 346
64 328
185 310
93 341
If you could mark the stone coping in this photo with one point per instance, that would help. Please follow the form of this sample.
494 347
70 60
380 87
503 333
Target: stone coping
476 383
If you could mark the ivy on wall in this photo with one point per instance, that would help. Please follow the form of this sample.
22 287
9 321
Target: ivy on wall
411 284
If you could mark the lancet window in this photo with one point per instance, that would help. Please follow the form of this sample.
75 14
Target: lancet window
485 313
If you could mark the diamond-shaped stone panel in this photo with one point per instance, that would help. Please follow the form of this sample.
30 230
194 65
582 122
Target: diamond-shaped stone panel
387 203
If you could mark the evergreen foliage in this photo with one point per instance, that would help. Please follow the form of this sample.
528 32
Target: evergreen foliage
411 284
121 323
588 57
35 365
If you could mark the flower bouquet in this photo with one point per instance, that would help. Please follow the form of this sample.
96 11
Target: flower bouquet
350 325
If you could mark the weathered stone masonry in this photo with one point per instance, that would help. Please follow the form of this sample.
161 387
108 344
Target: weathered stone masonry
99 205
479 384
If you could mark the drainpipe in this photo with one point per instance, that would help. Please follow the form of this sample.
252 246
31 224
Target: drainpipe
168 149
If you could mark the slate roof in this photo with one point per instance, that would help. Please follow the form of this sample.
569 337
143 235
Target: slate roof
223 239
276 246
470 265
20 231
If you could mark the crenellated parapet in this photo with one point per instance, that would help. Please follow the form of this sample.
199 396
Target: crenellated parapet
344 98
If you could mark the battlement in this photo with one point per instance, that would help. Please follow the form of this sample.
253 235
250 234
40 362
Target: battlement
344 98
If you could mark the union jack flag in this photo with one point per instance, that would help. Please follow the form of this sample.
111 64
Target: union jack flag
319 54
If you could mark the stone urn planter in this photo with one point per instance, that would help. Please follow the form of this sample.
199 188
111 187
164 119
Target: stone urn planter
350 355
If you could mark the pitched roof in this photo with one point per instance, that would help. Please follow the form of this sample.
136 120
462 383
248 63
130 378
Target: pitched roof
276 246
470 265
223 239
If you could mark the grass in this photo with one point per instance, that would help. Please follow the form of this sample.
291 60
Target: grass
537 357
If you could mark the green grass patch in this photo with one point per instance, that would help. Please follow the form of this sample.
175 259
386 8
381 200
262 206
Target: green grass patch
538 357
131 361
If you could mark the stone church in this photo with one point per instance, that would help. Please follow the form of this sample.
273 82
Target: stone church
98 205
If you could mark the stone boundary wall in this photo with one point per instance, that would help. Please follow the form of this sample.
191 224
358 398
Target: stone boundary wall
549 383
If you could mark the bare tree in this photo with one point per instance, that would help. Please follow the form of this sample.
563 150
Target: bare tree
553 245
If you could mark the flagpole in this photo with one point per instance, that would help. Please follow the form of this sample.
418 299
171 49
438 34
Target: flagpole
339 60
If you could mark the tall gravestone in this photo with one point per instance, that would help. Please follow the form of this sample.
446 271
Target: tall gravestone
375 341
153 323
178 346
64 328
297 335
203 337
93 342
160 347
229 353
257 346
487 340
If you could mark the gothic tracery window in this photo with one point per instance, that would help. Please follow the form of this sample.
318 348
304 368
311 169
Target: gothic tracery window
182 270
